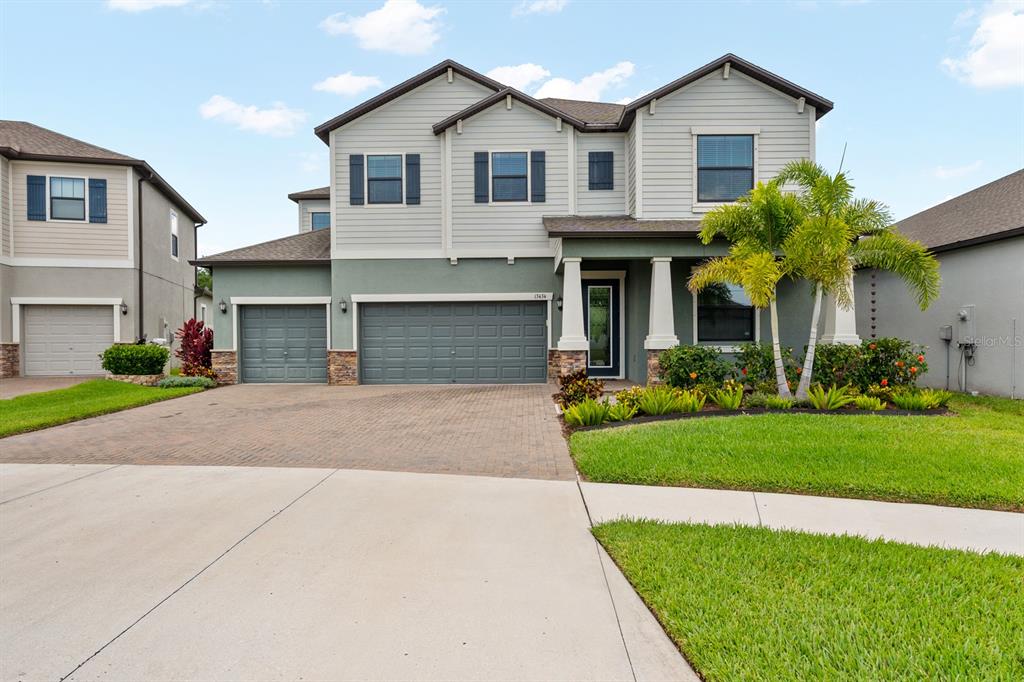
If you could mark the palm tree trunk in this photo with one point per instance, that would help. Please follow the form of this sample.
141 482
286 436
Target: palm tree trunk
780 370
812 344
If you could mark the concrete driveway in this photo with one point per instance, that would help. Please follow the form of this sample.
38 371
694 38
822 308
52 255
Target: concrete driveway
158 573
485 430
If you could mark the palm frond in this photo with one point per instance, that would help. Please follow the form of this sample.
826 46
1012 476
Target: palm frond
907 259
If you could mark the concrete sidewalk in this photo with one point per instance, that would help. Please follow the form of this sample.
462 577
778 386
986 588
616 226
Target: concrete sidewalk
920 524
161 572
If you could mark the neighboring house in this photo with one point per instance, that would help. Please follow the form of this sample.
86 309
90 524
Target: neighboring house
975 330
95 250
481 235
314 208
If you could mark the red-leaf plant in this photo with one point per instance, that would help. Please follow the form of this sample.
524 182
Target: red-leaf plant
195 343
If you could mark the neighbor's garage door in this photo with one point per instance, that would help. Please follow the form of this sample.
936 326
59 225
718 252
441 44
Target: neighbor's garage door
284 344
66 339
436 343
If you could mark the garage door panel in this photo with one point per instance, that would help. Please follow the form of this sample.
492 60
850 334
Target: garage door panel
66 339
284 344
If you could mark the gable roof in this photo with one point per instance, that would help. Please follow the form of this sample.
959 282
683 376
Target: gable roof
24 140
988 213
594 113
323 130
821 105
316 193
500 95
306 248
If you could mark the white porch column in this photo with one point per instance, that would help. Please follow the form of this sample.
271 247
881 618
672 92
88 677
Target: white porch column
661 330
573 337
840 323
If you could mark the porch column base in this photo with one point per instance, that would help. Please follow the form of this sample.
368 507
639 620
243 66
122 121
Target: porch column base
225 365
342 367
569 362
840 322
10 360
654 367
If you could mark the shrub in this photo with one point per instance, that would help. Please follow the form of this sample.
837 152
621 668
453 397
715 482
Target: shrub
868 402
923 399
728 398
755 365
831 399
587 412
181 381
837 364
659 400
895 361
937 398
691 366
691 401
620 412
777 402
630 396
758 399
577 387
883 393
195 346
135 359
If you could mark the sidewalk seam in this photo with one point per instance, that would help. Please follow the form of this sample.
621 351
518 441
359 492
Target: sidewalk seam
200 572
57 485
757 509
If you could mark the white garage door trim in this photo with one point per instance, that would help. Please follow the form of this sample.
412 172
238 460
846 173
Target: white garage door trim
65 340
18 301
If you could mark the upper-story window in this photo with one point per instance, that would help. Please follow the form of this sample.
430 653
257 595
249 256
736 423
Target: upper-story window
67 198
725 167
320 220
724 315
174 235
600 170
383 179
509 176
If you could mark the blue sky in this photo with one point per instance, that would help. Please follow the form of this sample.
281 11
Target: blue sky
221 97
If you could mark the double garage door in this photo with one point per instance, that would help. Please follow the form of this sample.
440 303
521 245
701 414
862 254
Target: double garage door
65 339
470 342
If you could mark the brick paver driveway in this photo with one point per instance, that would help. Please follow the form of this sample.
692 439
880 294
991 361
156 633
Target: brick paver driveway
485 430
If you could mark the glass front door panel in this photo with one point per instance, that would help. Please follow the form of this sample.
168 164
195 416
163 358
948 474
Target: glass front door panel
599 309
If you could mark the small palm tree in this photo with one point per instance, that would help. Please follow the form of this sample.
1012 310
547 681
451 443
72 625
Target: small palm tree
837 235
757 226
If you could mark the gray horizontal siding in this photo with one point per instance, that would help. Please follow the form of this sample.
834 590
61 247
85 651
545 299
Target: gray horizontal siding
600 202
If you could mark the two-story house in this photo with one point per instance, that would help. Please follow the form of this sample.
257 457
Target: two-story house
94 250
477 234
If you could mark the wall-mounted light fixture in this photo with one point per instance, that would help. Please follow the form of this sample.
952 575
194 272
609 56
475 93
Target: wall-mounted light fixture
223 306
124 308
343 304
558 302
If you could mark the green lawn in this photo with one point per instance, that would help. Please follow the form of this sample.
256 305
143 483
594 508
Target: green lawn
88 399
973 459
757 604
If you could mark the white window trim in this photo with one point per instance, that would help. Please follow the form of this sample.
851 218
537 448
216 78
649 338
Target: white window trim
724 347
18 301
444 298
697 131
49 219
173 219
529 178
621 276
202 313
237 301
366 182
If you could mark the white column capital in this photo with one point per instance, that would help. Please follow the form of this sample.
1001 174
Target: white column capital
572 259
661 259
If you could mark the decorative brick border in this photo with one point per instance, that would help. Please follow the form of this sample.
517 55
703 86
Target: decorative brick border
138 379
653 367
10 360
225 364
342 367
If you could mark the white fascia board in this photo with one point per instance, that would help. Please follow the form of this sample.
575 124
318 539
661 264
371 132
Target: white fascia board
63 300
280 300
448 298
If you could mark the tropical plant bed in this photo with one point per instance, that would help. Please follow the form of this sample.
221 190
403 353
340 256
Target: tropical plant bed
745 603
712 411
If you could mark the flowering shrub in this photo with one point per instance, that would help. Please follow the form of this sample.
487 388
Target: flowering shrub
577 387
894 361
691 366
630 397
755 365
195 346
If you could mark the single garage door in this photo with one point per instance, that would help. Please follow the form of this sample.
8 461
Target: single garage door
437 343
284 344
66 339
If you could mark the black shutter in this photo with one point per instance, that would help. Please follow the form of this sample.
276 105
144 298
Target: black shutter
37 197
97 201
481 183
600 166
355 179
412 178
537 180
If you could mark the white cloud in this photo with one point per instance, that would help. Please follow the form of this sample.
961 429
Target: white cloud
143 5
399 26
519 77
313 162
539 7
277 120
948 172
995 58
347 84
589 87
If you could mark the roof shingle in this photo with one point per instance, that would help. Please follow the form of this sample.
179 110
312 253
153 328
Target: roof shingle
617 226
304 248
594 113
315 193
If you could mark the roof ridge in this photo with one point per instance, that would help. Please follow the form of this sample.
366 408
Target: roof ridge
117 155
950 200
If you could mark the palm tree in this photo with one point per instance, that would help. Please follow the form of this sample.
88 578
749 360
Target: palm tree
840 233
757 226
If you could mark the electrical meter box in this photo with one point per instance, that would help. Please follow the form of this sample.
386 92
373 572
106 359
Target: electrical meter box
966 333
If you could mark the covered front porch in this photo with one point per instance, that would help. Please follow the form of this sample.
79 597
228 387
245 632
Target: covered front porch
624 300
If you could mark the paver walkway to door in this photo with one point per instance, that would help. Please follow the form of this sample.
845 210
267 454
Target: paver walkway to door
503 431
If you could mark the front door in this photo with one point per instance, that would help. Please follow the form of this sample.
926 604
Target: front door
602 316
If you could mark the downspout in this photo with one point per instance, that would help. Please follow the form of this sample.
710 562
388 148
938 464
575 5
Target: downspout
140 335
